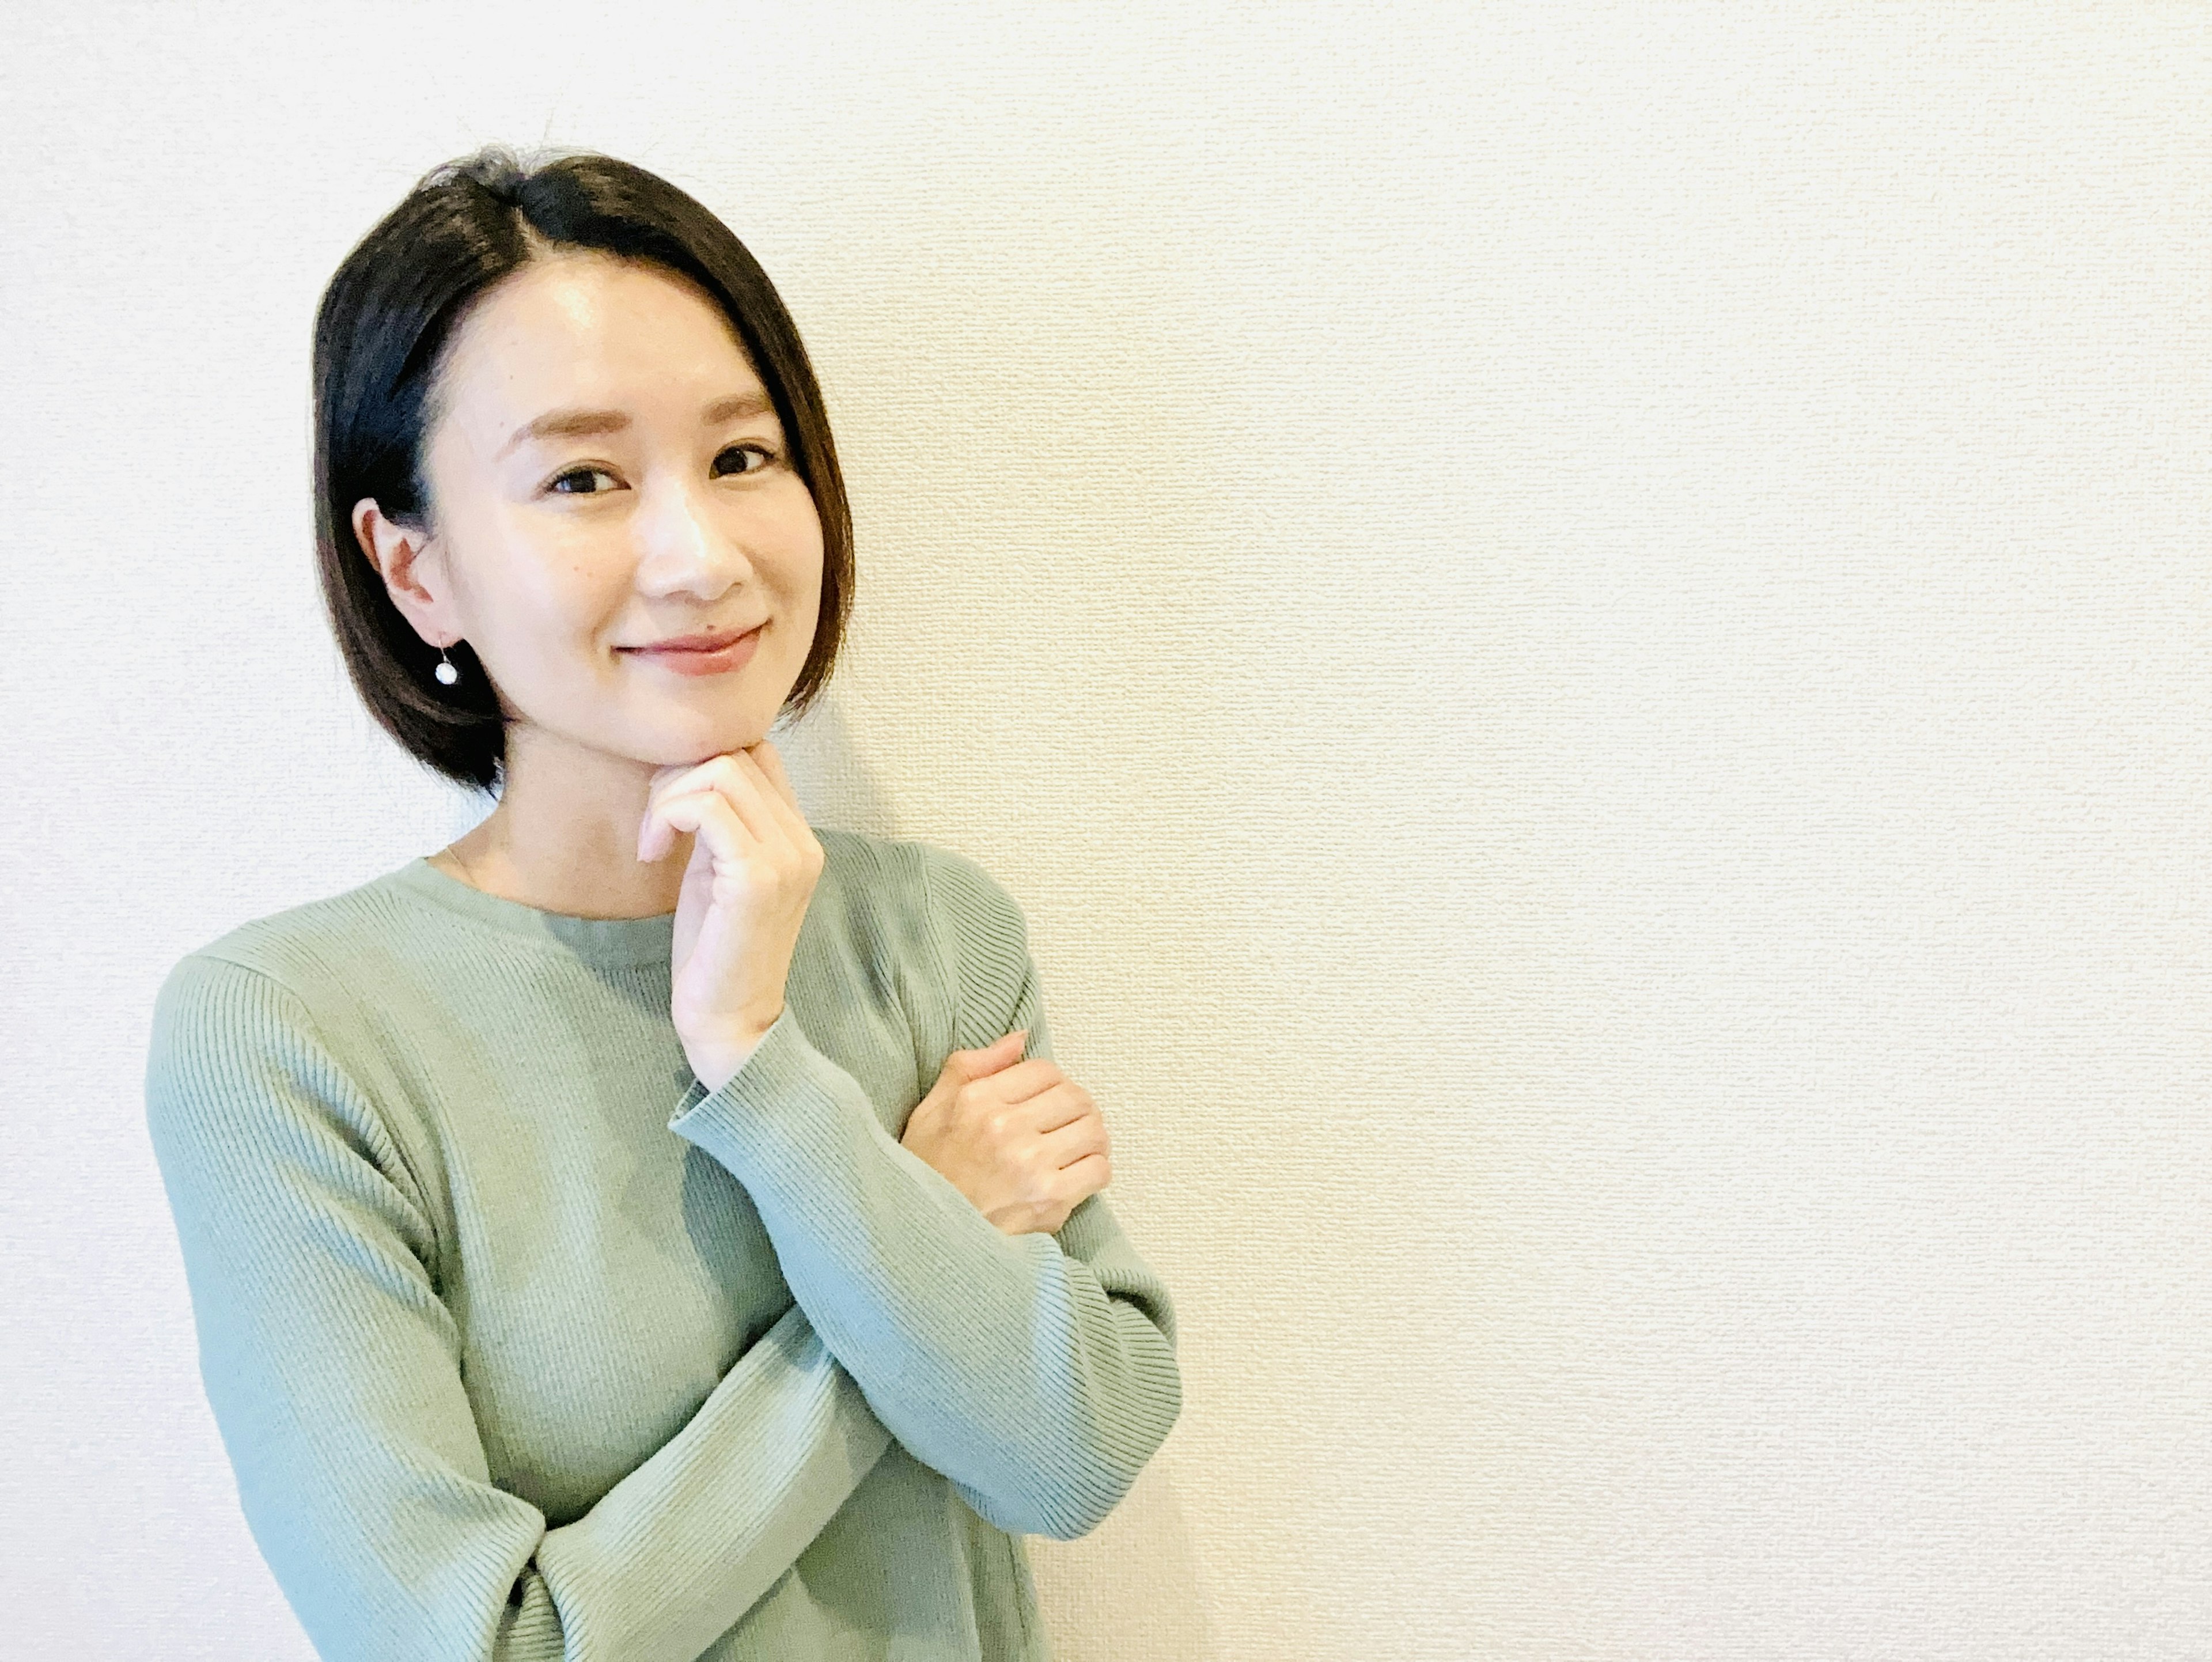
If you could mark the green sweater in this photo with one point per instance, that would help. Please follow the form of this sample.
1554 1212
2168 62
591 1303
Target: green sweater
523 1344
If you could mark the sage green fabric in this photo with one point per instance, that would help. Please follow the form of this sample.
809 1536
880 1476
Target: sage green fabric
523 1344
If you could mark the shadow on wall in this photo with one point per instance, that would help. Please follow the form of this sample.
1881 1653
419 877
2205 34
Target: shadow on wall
833 781
1129 1588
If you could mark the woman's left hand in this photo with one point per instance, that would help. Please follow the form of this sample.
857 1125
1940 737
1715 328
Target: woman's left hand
753 867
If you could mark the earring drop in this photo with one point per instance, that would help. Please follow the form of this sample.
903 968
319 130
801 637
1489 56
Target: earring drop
446 673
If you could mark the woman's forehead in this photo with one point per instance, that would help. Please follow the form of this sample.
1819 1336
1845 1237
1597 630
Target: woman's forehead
591 328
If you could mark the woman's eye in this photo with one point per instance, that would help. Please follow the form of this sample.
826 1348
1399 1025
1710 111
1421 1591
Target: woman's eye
766 457
578 481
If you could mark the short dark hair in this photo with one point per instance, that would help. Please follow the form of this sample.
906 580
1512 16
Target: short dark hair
380 332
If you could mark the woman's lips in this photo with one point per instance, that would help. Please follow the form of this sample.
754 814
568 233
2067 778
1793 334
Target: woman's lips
735 655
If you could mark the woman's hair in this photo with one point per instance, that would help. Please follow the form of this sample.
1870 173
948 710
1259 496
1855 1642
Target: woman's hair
380 333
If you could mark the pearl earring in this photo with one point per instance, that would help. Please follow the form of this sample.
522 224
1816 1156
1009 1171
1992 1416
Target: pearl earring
446 673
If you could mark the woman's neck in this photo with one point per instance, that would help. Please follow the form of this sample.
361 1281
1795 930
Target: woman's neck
569 855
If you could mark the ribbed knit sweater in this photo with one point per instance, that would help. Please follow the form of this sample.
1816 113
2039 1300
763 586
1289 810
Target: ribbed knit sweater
522 1344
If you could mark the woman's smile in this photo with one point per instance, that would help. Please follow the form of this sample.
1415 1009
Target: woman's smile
700 660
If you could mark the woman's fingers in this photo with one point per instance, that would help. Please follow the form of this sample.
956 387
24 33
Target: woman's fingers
709 816
763 763
1085 1135
1085 1178
676 779
770 763
1020 1083
789 822
746 792
1055 1105
739 781
661 827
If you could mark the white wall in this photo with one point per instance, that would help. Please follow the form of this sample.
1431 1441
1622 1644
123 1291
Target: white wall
1584 631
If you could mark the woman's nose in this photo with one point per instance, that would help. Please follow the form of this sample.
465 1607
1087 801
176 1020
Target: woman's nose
684 544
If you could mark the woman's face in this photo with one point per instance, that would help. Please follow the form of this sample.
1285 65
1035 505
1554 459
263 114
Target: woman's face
605 472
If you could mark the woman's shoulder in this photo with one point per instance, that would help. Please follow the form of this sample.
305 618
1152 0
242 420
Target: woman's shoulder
260 1075
936 906
928 904
334 988
929 877
300 945
252 1022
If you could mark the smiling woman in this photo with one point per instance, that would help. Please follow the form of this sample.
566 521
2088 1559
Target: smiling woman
621 314
604 479
652 1228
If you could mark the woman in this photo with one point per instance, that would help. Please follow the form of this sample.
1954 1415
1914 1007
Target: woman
633 1231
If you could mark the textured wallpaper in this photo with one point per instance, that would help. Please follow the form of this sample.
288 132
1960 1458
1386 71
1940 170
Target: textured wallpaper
1582 629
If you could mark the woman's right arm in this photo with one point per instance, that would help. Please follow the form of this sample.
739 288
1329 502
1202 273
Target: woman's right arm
333 1371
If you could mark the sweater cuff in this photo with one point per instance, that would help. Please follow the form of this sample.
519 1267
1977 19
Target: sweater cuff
782 1063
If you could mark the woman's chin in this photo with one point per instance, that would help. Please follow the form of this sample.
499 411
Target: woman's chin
664 732
691 748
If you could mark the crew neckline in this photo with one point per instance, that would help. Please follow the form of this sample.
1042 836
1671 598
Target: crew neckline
599 940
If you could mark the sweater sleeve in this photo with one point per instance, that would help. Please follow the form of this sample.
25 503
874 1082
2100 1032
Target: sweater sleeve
1037 1372
332 1369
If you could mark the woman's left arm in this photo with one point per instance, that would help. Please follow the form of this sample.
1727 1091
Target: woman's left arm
1037 1372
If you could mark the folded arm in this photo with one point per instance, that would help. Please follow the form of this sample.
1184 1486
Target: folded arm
1037 1372
333 1370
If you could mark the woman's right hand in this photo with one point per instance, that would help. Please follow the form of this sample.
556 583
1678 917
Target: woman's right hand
1026 1143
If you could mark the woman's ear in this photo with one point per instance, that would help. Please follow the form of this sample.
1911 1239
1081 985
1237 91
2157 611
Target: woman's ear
411 563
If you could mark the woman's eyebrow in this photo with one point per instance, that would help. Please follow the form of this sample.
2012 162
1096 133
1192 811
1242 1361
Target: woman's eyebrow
578 423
